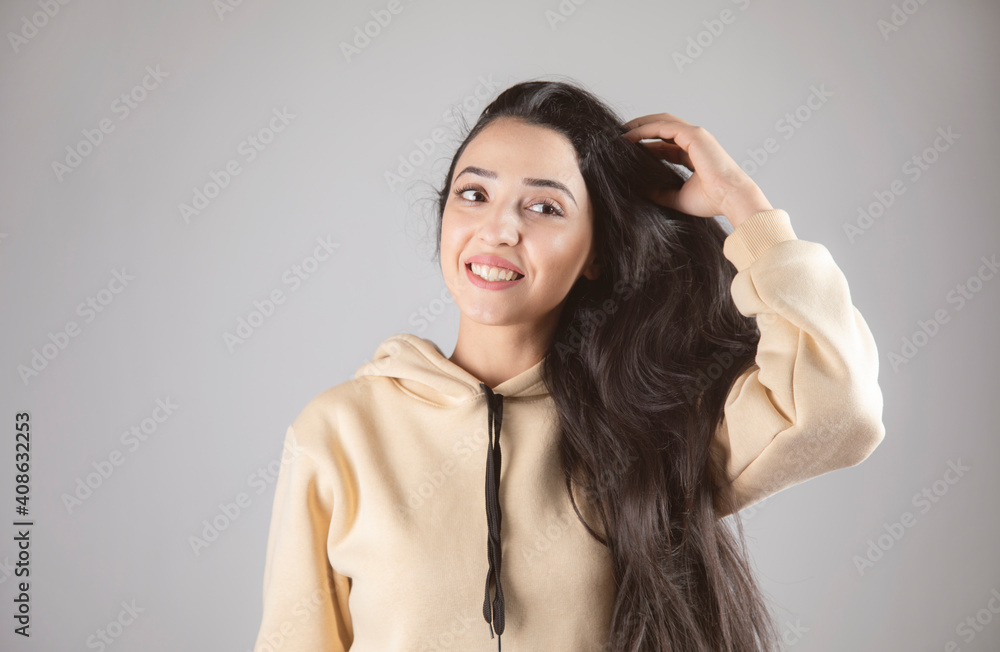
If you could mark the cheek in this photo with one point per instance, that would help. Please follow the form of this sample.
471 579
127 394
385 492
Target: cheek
451 243
567 251
446 232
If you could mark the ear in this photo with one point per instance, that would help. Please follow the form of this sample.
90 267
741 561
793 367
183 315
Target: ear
592 269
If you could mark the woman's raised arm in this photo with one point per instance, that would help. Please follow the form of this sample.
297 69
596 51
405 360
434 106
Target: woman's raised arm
811 403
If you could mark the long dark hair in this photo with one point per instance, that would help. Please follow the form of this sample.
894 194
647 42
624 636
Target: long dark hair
639 369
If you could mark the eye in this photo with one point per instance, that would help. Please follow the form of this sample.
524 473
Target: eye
461 191
556 211
551 208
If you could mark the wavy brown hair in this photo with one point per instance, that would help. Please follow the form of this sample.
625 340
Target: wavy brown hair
639 368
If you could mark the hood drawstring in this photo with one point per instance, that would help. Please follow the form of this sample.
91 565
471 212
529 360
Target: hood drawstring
494 403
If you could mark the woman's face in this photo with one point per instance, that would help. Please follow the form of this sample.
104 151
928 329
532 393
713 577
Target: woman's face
517 195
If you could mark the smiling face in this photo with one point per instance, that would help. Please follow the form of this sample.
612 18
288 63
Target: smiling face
517 201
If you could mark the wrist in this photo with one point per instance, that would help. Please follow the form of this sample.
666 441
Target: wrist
741 204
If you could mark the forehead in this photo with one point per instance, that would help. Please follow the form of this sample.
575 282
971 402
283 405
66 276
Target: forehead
512 147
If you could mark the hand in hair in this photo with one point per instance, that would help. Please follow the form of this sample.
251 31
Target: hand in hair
717 185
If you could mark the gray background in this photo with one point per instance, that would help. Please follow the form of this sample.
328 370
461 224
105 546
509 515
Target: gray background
324 176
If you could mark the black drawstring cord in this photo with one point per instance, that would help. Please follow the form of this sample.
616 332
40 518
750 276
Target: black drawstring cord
494 403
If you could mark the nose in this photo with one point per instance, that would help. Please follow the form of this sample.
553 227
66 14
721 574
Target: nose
500 224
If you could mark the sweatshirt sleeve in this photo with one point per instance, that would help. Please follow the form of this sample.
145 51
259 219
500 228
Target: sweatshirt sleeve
811 402
305 600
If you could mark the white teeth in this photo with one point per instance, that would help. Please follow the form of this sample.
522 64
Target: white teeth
493 273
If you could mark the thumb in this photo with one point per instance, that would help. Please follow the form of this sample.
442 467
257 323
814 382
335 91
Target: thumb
665 196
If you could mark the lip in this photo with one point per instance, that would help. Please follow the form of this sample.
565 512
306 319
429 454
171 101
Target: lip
494 261
489 285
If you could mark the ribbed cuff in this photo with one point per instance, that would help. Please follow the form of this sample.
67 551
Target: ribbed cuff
755 235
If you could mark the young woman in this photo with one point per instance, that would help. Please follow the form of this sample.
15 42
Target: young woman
649 374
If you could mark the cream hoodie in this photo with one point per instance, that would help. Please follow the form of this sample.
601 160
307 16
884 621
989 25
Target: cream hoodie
378 537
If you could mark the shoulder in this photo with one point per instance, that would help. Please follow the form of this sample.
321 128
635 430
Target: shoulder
319 425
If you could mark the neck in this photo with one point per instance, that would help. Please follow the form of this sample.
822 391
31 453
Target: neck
494 354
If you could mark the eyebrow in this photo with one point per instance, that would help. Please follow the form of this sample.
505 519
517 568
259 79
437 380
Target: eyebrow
538 183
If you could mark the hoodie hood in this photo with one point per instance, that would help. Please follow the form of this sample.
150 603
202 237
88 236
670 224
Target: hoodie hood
419 367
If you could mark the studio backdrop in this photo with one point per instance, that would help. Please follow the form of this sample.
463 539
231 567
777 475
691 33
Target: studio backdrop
213 210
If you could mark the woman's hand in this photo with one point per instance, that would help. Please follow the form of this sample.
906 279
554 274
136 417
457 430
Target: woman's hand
718 186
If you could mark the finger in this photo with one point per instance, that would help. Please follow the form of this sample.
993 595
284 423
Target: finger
653 117
669 152
649 122
678 132
664 196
